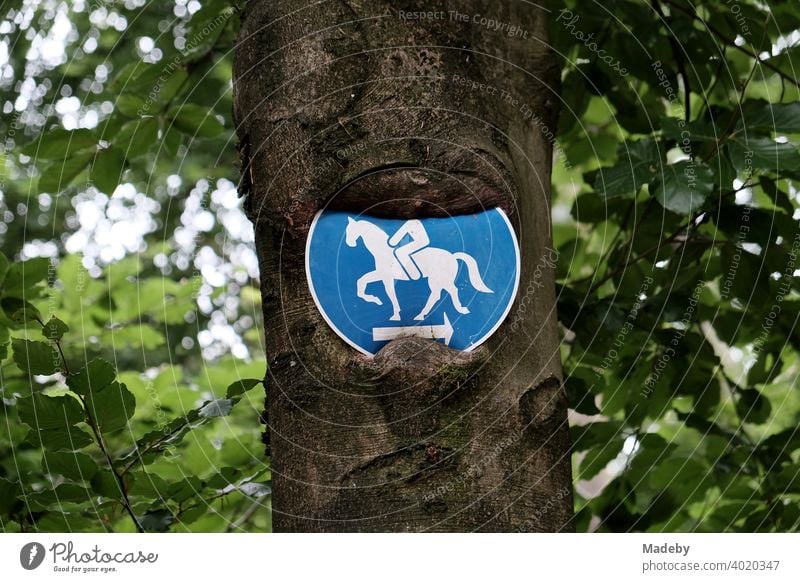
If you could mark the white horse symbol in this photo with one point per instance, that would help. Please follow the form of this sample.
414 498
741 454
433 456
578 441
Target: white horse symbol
439 266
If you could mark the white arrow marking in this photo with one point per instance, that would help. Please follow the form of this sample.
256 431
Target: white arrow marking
445 332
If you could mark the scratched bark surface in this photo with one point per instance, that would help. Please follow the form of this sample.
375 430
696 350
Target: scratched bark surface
344 104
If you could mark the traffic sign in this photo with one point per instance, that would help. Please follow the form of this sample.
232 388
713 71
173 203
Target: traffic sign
377 279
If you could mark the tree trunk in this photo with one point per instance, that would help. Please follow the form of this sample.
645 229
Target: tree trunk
361 105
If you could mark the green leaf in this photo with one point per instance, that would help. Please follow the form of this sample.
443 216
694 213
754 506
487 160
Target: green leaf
193 514
137 137
786 61
196 121
75 466
745 276
169 90
185 489
61 521
777 196
752 406
762 153
4 265
206 26
54 329
697 131
772 117
157 521
105 483
22 277
636 166
58 175
129 105
66 438
787 479
595 434
172 142
766 367
107 169
49 412
111 407
706 427
226 476
597 458
9 490
215 408
60 144
135 336
684 187
94 377
17 387
159 440
578 395
35 357
148 485
783 443
688 478
19 311
55 498
240 387
724 171
142 77
4 339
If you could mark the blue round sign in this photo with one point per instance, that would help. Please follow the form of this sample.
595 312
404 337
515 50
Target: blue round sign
378 279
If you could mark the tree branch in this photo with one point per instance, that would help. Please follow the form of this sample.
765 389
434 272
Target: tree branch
729 42
90 420
679 62
120 482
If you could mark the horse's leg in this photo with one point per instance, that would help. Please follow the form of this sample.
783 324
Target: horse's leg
448 273
443 278
436 292
434 273
453 291
388 284
361 288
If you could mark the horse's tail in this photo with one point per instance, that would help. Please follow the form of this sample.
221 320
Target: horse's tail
474 274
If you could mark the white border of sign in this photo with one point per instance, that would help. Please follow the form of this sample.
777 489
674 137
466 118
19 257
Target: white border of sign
370 354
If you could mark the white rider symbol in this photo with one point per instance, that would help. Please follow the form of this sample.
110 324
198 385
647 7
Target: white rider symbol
439 266
419 240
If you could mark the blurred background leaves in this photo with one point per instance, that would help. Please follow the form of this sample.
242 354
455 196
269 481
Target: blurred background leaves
130 301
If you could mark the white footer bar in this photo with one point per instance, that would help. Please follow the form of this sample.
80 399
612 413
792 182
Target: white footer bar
400 557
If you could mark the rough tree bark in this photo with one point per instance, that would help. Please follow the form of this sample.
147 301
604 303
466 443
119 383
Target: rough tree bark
355 104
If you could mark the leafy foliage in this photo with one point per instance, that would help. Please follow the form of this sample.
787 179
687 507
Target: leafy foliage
108 456
123 406
678 287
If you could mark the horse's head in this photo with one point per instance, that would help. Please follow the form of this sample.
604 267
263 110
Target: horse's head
352 232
